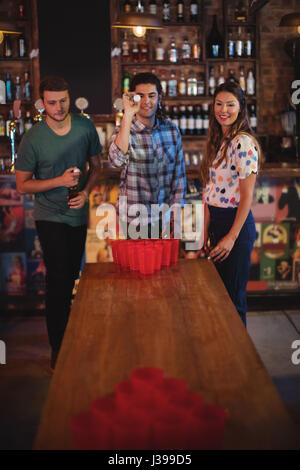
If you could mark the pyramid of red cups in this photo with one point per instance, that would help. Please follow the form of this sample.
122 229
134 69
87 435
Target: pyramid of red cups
150 411
145 257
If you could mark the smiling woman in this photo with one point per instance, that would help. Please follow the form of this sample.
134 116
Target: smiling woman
229 171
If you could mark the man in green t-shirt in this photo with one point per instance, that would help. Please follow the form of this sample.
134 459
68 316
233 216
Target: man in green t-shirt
51 159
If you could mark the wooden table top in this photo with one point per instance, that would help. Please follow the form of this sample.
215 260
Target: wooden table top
181 320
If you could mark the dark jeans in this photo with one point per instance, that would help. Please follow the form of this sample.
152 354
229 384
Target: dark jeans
63 248
235 269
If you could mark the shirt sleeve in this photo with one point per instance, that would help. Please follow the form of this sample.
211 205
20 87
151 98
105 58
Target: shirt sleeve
246 156
179 179
95 146
115 154
26 159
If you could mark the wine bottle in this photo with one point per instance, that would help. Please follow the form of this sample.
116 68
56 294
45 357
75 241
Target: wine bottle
125 49
201 85
192 84
194 11
166 11
242 79
7 49
198 121
211 81
159 50
172 85
153 7
173 52
174 116
190 121
253 118
250 83
182 84
163 82
180 11
221 78
239 44
18 93
214 42
230 45
9 88
185 51
205 108
22 46
27 87
28 122
183 120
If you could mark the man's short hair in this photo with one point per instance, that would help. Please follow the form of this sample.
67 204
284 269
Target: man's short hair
53 83
145 77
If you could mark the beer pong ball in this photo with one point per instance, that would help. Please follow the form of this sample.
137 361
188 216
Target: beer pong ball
136 98
81 430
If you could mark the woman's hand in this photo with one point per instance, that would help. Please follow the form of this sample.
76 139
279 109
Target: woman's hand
221 251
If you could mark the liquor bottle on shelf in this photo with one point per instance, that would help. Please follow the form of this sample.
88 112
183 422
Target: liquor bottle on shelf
187 159
240 13
144 51
214 41
230 44
18 91
180 11
182 84
248 52
166 11
126 80
152 7
135 55
196 51
28 123
250 83
194 11
173 52
140 7
192 84
7 48
253 118
159 51
2 91
163 82
221 78
183 120
190 121
166 111
8 121
205 108
125 48
2 126
21 9
198 121
27 87
20 124
242 80
211 81
239 43
9 88
231 77
127 6
172 85
22 46
201 84
174 116
185 51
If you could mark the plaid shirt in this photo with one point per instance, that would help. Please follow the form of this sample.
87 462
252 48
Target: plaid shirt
152 171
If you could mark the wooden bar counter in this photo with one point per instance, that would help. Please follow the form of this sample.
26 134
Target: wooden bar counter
181 320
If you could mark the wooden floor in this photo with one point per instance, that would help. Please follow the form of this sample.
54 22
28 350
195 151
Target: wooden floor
181 320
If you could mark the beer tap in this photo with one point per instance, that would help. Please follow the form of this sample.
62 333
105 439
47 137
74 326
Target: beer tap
39 106
82 104
12 136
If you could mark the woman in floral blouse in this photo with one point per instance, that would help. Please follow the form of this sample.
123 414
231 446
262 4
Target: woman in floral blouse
229 171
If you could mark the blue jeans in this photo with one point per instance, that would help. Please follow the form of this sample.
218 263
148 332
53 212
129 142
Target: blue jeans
234 270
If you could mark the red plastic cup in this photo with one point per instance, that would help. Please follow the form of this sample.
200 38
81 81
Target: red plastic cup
144 382
82 432
166 254
115 252
133 256
123 255
174 251
146 256
186 402
171 429
158 247
104 413
171 386
208 427
132 431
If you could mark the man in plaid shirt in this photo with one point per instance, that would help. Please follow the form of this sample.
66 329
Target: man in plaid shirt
148 149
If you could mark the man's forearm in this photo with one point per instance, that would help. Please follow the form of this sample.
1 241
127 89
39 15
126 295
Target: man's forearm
92 178
33 186
122 139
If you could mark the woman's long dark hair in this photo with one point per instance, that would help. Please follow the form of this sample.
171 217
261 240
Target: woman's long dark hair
216 139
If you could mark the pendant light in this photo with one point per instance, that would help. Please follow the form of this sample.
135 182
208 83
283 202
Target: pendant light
138 21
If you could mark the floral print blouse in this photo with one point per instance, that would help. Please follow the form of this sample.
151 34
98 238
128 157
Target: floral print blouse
223 189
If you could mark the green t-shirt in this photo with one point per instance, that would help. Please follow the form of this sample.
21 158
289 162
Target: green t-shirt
48 155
